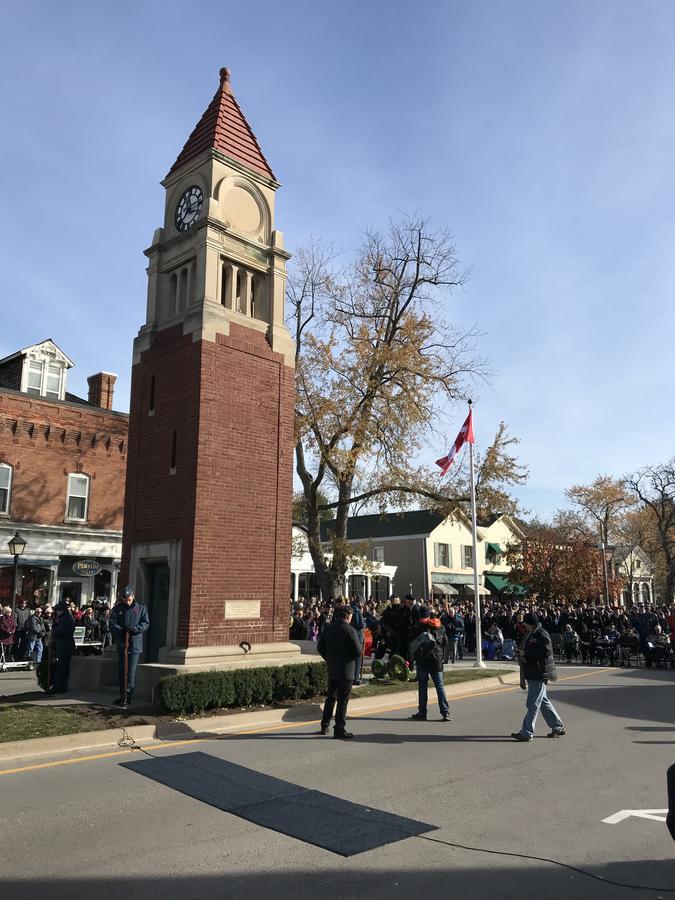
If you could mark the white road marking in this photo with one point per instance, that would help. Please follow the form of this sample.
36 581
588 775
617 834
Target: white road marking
656 815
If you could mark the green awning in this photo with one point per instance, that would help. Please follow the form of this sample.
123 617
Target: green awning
495 548
501 583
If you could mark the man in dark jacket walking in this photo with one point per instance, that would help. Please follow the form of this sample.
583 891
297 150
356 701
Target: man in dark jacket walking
128 622
339 645
537 668
428 639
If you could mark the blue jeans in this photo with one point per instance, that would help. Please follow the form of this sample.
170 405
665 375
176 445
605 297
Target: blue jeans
536 699
35 645
424 673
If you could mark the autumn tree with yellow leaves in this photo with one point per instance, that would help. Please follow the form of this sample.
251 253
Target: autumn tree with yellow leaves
378 368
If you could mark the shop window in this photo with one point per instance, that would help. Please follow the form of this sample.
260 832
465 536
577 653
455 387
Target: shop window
78 497
5 488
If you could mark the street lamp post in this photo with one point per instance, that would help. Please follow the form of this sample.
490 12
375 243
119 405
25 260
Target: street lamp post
16 547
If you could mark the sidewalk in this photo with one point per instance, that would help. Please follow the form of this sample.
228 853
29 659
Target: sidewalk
22 687
170 733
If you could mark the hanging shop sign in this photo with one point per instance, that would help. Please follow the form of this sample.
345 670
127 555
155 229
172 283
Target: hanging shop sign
86 567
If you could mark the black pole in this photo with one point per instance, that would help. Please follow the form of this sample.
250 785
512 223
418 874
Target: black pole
126 668
15 581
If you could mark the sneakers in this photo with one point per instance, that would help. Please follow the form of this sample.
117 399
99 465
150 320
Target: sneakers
419 717
323 729
446 719
343 735
519 736
557 732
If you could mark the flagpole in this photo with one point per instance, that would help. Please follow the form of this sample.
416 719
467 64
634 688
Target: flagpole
474 534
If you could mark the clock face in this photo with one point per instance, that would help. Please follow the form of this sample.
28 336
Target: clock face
188 208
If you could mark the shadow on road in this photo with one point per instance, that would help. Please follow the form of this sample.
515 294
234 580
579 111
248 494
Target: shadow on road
651 701
354 879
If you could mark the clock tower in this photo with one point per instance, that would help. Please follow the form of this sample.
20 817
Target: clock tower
207 522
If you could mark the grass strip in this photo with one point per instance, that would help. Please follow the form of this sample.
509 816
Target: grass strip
23 721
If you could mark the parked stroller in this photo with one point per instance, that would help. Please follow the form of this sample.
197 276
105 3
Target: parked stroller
509 649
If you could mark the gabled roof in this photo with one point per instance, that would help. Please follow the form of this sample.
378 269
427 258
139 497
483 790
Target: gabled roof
52 347
510 522
394 524
419 521
223 127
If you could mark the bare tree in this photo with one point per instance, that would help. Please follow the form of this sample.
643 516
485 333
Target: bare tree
654 488
377 365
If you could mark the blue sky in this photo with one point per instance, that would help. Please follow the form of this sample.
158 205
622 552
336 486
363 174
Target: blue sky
541 133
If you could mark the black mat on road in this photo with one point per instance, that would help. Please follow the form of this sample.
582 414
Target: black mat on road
310 816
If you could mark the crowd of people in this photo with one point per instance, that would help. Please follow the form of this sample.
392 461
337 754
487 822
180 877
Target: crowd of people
25 631
580 632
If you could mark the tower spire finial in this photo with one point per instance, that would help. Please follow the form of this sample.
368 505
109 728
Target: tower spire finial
225 78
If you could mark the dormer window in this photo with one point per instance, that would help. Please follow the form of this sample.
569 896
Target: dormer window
45 379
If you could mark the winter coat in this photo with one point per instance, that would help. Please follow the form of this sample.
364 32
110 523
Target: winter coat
35 627
62 634
22 616
132 620
357 622
537 656
7 629
340 646
433 662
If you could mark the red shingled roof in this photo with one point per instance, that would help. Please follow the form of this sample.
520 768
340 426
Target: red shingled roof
224 128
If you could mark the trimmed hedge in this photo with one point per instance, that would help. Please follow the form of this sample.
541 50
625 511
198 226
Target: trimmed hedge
198 691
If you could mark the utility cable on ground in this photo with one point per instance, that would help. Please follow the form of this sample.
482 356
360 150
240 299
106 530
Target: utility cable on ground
126 742
554 862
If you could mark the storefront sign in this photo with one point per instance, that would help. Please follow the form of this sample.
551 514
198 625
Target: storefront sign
242 609
86 567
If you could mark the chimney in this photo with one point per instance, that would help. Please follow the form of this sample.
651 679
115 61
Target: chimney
101 387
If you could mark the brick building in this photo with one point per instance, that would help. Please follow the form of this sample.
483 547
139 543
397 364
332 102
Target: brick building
62 466
207 526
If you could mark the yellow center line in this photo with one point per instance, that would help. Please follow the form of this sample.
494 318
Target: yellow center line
268 728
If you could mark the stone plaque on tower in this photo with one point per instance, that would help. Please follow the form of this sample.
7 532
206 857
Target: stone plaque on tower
207 523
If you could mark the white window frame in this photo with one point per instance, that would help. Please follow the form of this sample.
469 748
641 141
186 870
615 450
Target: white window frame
69 494
378 554
44 365
467 551
10 480
438 553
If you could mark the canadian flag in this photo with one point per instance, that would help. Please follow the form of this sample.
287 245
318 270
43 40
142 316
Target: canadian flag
465 436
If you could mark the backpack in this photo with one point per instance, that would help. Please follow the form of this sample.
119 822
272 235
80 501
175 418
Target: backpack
422 647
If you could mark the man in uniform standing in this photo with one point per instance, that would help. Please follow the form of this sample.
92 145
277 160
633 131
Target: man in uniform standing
339 645
128 622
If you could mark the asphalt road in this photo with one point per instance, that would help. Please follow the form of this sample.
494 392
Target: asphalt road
93 828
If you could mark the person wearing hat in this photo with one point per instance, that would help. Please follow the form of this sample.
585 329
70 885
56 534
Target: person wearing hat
339 645
128 618
537 668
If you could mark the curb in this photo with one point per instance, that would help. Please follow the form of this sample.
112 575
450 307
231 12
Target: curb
109 739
